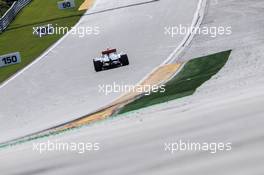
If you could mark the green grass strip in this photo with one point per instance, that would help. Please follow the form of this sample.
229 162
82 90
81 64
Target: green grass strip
193 75
18 36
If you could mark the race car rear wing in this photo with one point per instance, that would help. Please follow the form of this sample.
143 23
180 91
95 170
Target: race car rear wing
108 51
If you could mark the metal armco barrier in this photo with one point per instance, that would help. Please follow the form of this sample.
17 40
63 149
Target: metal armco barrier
11 13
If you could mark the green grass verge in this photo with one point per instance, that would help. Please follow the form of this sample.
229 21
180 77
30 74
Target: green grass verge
193 75
18 36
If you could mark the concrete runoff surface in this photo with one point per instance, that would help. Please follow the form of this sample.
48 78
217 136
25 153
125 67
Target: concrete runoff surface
134 144
63 85
245 67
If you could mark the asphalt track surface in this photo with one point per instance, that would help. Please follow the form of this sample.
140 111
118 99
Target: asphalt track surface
62 85
228 108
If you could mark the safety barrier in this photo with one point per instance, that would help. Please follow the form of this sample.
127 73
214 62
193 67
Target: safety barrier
11 13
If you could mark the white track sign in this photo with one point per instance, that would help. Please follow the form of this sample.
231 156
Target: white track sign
66 4
9 59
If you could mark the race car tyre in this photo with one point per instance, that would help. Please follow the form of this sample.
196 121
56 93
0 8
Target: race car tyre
124 60
98 66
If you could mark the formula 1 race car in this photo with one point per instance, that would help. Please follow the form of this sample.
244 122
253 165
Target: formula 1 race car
110 59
